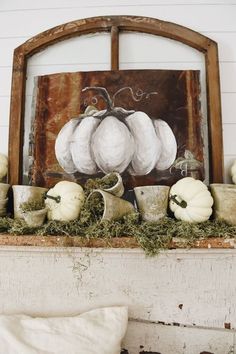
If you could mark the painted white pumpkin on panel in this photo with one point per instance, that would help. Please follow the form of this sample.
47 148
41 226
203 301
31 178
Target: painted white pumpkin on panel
190 200
64 201
233 172
114 140
3 166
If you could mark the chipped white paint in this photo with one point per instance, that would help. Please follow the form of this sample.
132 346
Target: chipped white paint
195 288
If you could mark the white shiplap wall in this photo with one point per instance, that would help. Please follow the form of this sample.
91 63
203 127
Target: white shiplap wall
20 20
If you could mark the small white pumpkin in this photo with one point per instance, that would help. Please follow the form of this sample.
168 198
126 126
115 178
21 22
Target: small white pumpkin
3 166
190 200
64 201
233 172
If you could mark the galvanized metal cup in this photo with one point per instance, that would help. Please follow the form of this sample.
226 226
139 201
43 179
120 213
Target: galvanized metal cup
118 189
114 207
3 207
224 207
4 187
22 194
35 218
152 202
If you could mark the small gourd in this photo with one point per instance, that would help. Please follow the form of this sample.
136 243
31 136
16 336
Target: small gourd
3 166
190 200
64 201
233 172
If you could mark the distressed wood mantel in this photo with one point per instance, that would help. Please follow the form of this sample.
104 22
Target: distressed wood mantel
115 242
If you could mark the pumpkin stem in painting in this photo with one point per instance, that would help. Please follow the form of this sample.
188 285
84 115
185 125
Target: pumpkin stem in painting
182 204
103 93
57 199
137 96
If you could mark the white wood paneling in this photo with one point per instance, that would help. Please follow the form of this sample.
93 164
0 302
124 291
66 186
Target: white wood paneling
177 340
189 16
4 110
229 107
14 5
89 49
4 140
228 75
225 40
229 134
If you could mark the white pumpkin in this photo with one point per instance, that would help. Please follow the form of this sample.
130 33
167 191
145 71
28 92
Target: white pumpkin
114 140
233 172
64 201
168 144
3 166
190 200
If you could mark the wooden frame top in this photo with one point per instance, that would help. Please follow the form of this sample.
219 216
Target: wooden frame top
115 25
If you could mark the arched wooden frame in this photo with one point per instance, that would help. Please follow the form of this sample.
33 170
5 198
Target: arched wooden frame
115 25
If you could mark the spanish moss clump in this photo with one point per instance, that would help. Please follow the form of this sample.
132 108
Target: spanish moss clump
106 182
32 205
19 227
95 206
5 224
55 228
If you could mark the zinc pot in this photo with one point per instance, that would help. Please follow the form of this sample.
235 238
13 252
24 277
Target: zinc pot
35 218
114 207
224 207
3 207
152 202
22 194
118 188
4 187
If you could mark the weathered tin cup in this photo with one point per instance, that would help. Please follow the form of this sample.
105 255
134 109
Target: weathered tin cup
152 202
4 187
118 188
35 218
3 207
114 207
22 194
224 207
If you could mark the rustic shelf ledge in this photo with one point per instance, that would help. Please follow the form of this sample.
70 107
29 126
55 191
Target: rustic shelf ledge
115 242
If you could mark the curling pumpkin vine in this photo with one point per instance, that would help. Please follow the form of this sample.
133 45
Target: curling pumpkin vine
115 139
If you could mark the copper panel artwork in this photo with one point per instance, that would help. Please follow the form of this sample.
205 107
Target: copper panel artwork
168 95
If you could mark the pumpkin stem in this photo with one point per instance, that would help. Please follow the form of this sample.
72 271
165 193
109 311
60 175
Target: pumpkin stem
57 199
182 204
103 93
137 96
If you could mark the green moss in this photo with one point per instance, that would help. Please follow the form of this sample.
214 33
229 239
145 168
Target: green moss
19 227
94 206
5 224
106 182
32 205
152 237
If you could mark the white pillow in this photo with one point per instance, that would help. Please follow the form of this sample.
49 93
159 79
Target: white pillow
98 331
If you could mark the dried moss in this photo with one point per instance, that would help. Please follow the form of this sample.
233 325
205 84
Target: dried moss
105 182
152 237
19 227
94 206
5 224
32 205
